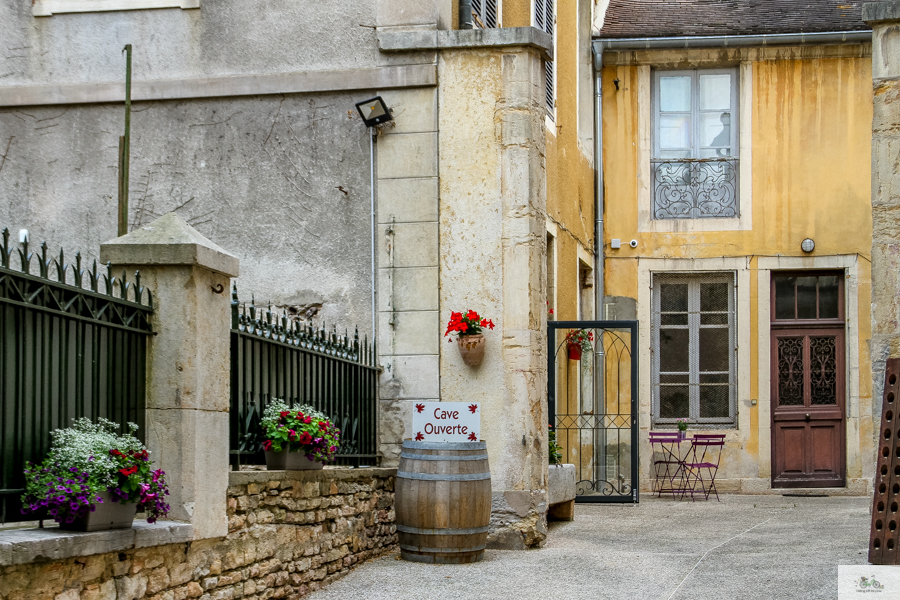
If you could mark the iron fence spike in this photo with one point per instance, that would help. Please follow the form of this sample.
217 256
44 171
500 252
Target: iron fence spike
4 260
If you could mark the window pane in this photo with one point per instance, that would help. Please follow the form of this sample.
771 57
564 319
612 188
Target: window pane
714 318
674 131
715 92
713 297
784 297
714 351
806 297
676 319
664 379
675 94
715 132
673 297
673 350
669 154
828 297
714 401
674 402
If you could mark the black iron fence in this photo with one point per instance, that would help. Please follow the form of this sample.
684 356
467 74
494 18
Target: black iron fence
66 351
275 357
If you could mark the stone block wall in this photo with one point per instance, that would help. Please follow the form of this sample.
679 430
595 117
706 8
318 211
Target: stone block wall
289 533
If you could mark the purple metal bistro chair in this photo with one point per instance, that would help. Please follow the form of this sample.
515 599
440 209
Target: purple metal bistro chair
668 471
702 464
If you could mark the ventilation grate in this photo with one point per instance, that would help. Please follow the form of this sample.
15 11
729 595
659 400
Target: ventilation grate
884 538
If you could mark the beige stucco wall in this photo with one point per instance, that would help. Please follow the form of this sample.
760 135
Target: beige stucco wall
805 151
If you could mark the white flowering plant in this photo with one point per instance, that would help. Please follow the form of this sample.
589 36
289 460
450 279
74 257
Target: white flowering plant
86 459
303 430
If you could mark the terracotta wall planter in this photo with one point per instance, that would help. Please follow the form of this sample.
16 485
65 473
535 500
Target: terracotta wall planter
471 348
108 515
290 461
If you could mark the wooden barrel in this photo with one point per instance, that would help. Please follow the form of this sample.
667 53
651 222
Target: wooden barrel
443 501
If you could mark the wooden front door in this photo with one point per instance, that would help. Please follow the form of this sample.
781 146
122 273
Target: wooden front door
808 380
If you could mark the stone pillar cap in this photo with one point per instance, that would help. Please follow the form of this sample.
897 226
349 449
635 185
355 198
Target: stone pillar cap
169 240
875 12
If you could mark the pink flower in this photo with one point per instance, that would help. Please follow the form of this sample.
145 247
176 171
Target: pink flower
267 445
292 434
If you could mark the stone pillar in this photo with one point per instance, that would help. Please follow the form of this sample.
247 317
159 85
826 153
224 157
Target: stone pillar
188 363
492 245
884 17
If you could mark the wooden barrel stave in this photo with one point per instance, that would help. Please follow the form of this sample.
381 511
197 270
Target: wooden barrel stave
443 502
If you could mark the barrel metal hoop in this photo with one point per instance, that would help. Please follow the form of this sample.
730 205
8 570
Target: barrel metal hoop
441 550
440 457
417 531
442 477
444 445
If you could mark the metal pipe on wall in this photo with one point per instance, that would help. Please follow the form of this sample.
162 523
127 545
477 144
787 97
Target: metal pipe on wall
465 14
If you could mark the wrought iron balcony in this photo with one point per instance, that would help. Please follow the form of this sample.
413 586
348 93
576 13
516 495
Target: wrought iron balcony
703 188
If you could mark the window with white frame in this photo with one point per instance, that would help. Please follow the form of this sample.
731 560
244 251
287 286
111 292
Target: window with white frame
486 14
694 165
693 341
545 20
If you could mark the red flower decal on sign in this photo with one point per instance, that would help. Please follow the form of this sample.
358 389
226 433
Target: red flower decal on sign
473 437
473 408
419 437
420 407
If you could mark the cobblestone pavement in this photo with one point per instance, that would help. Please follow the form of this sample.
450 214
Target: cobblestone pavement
742 547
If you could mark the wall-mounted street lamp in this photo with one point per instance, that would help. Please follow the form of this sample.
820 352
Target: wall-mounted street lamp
374 112
807 245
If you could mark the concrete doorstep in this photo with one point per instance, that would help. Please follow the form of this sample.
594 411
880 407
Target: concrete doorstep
742 547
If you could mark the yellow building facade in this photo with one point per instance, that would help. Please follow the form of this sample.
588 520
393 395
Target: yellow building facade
718 163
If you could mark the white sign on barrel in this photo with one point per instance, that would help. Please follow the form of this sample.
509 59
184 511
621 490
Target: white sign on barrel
446 421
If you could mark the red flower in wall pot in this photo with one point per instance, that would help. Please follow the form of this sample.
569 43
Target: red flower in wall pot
469 339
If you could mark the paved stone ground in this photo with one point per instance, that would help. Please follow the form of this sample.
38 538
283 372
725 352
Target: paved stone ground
742 547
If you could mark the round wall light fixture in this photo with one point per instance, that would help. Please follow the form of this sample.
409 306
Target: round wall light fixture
807 245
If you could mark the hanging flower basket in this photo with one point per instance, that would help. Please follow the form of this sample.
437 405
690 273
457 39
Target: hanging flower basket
471 349
578 341
469 339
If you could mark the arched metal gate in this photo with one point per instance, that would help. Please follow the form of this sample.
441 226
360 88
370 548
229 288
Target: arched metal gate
592 400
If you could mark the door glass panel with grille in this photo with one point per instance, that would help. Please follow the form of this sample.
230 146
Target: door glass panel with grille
592 394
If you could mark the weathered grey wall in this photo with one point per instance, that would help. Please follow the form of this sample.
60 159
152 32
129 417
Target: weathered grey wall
282 182
222 37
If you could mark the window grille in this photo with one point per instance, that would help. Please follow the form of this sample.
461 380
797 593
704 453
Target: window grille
693 346
545 20
695 144
486 13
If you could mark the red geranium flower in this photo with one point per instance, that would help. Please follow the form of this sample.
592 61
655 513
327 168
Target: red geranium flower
284 414
323 425
129 471
305 438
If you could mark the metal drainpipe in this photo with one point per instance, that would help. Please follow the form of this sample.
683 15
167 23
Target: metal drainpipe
465 14
599 355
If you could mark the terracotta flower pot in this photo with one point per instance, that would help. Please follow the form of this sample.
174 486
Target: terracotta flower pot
471 348
574 351
290 461
108 515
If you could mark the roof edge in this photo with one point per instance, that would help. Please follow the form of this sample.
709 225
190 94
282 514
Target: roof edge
601 45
